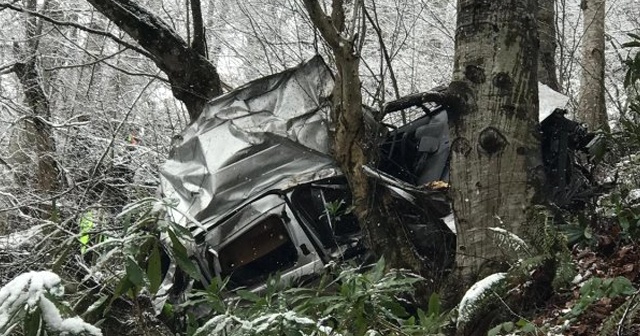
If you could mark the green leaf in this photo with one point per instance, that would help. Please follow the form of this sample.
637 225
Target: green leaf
182 259
32 323
621 286
378 270
495 330
395 308
434 305
624 223
181 231
123 287
135 273
528 327
508 326
85 225
154 270
167 309
101 301
248 295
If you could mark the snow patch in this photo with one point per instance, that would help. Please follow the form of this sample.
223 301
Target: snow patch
27 292
20 239
633 197
474 294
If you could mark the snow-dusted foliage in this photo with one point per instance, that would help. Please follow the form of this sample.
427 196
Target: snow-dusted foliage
480 290
514 247
36 294
358 302
288 322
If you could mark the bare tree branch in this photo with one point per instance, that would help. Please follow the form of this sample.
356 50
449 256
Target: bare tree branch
385 52
104 61
417 99
7 68
76 25
96 61
194 80
337 15
325 24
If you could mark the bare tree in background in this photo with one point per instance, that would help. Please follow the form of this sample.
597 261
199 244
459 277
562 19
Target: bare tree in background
496 168
591 106
547 32
32 140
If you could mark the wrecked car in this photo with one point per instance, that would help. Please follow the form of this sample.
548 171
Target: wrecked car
255 183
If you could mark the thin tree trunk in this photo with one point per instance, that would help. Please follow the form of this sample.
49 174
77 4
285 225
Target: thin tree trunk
33 140
591 107
386 235
547 55
496 167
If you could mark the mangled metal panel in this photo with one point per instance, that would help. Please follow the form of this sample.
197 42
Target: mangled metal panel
269 134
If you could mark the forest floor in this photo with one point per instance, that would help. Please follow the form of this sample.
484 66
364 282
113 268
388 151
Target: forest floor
610 256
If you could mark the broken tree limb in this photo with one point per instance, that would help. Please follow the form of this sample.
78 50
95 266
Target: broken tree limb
417 99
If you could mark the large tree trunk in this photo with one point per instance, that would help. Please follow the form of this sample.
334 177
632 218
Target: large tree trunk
496 167
194 80
547 33
386 235
591 107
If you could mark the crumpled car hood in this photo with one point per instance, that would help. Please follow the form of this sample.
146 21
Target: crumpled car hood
270 134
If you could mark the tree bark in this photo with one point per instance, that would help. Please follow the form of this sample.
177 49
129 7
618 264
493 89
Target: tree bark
591 106
199 43
352 147
547 33
496 168
194 80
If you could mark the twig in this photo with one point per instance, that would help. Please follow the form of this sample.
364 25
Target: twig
96 61
113 138
45 200
127 72
7 68
79 26
626 312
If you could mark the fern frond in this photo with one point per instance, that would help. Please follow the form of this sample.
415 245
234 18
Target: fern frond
513 247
